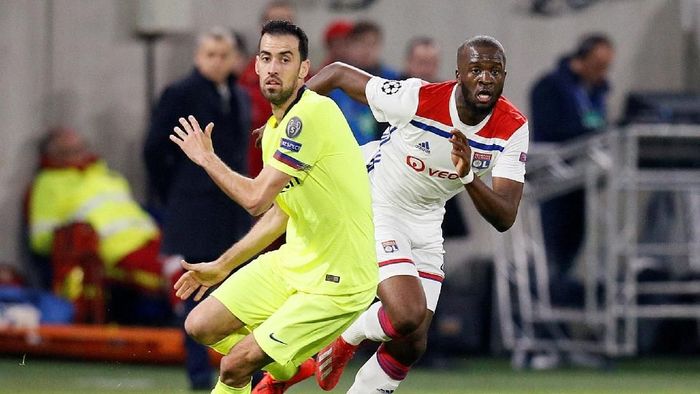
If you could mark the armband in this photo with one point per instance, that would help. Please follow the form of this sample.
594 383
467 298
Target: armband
467 179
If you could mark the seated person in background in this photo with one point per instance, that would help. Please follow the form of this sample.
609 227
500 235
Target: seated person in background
73 185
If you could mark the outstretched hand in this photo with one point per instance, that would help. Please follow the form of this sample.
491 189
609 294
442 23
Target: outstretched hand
196 143
198 278
461 153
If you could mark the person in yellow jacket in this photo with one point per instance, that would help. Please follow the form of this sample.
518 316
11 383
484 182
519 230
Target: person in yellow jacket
75 186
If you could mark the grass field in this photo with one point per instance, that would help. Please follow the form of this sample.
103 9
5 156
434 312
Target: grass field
473 376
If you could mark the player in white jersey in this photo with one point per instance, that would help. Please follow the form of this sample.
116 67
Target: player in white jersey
443 137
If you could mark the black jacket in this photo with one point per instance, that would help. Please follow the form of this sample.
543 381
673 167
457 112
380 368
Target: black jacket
561 109
199 220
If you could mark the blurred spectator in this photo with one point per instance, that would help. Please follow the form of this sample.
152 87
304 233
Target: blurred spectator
566 103
260 107
75 186
335 39
200 221
365 42
422 59
240 54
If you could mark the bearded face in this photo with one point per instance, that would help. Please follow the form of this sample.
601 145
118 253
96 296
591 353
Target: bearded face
481 75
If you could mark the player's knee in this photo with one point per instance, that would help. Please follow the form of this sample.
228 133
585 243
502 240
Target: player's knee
196 327
409 320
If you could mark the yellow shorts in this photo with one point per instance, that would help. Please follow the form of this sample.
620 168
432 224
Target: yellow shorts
290 326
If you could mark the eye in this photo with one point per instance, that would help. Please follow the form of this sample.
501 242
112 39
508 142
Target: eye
475 71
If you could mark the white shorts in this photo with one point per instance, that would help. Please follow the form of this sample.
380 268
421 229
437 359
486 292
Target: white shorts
406 245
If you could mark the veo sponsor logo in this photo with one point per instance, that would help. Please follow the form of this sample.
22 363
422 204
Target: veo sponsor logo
419 166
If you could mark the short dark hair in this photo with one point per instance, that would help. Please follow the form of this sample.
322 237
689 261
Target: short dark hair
283 28
588 43
482 40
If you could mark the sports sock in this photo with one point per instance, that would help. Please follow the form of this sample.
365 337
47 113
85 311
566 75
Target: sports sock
224 346
281 372
373 324
381 373
222 388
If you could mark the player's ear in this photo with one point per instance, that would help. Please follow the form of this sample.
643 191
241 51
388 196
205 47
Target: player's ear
304 69
456 73
257 60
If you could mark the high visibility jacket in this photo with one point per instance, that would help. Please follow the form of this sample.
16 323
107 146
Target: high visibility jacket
93 195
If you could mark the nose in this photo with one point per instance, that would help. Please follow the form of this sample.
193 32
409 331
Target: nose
486 78
273 68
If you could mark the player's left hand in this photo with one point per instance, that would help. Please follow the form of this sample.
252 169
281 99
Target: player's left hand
461 153
258 135
196 143
198 278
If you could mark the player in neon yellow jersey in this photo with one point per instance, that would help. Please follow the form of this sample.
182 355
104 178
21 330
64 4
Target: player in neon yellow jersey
285 305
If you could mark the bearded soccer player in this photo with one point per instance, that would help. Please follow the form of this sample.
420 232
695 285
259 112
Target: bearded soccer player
284 306
443 137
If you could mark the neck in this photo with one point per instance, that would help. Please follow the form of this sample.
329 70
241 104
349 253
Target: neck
278 111
468 114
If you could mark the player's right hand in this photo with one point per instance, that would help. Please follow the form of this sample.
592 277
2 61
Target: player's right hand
198 278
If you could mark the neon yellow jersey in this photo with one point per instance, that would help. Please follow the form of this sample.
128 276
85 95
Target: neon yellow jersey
330 234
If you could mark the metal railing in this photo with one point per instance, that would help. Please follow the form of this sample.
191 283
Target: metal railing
623 172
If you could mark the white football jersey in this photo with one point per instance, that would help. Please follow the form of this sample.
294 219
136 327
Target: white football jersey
411 166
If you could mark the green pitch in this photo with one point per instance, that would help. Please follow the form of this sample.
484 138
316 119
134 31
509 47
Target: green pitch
33 375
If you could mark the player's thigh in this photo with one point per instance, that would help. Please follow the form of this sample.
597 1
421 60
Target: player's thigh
429 263
394 291
393 246
308 322
256 291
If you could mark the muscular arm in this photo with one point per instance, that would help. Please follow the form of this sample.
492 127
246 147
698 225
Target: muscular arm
499 205
254 195
270 226
200 277
350 79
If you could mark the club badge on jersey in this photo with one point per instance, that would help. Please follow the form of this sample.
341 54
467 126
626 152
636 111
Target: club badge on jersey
390 246
481 161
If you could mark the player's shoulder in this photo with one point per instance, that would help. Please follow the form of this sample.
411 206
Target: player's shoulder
506 111
312 103
434 101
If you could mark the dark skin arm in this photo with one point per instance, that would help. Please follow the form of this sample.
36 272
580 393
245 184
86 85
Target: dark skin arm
340 75
498 205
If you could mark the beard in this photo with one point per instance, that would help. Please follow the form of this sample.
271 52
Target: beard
279 97
478 109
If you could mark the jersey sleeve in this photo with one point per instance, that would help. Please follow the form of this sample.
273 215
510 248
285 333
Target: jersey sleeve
511 163
298 146
392 101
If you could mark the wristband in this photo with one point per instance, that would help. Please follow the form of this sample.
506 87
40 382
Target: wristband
467 179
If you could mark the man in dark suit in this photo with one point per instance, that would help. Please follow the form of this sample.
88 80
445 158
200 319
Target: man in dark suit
199 221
